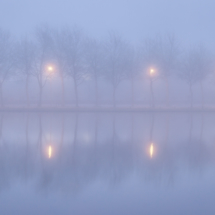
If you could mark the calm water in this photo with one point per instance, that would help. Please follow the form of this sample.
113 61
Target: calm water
122 163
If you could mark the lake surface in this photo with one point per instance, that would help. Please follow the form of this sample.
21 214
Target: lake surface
107 163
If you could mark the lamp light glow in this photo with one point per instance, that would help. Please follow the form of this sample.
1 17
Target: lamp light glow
151 150
152 71
50 68
50 152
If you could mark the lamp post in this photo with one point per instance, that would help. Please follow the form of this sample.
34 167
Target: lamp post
152 75
50 69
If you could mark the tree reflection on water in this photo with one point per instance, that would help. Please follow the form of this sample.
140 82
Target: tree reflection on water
69 151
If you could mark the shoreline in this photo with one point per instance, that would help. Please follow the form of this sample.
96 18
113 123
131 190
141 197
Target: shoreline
104 109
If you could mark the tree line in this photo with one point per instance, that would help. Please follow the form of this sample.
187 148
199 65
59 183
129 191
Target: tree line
73 55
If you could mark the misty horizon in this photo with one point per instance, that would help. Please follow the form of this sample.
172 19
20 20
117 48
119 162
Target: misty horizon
70 64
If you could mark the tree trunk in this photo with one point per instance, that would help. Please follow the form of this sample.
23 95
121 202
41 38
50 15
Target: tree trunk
191 127
191 96
167 129
63 90
75 134
167 91
62 136
96 90
40 96
26 90
202 94
114 97
76 93
1 95
202 127
132 92
40 139
132 145
1 125
96 129
27 128
114 127
152 94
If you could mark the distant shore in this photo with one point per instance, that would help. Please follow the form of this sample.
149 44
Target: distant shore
106 109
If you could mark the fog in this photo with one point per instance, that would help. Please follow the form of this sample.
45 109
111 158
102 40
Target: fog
102 52
65 67
189 20
107 107
104 161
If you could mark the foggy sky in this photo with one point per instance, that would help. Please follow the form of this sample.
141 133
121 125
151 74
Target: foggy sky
190 20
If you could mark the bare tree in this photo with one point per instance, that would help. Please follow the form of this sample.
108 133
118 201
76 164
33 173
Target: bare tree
170 58
195 67
43 69
203 67
61 61
160 58
94 58
152 62
131 72
26 56
6 60
117 57
70 53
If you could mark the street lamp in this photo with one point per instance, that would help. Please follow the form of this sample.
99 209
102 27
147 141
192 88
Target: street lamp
50 69
152 72
49 73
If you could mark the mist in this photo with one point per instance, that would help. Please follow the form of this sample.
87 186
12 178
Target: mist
107 107
65 67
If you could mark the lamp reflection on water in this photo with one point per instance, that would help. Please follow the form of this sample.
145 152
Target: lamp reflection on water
49 151
151 150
